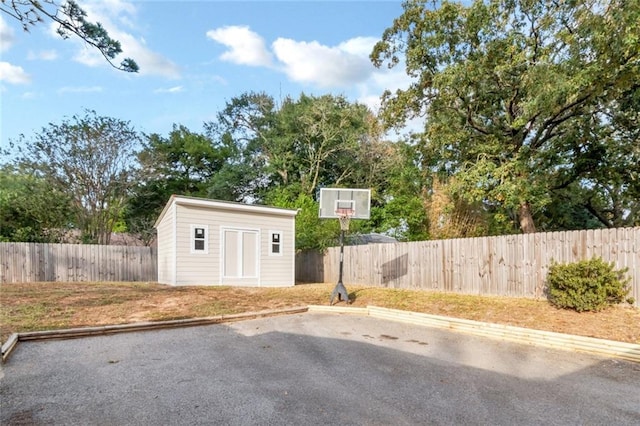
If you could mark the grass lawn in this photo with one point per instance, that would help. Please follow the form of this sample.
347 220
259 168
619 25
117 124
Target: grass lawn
45 306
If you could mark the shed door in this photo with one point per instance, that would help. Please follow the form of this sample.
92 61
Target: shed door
240 254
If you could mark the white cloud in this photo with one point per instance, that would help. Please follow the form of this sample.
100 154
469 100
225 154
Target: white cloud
150 62
380 80
344 66
114 15
43 55
305 62
312 62
80 89
6 36
175 89
117 7
245 46
30 95
219 80
372 101
13 74
361 46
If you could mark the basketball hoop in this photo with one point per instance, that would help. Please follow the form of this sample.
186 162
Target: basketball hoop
343 204
344 216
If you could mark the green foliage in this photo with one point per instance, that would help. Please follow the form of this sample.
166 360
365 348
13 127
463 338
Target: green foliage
90 159
283 155
311 231
71 19
588 285
31 210
524 99
309 142
186 159
184 163
402 217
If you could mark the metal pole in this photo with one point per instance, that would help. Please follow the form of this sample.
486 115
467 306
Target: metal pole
340 291
341 256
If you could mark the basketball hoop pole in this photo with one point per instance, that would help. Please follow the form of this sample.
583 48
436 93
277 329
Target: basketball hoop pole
341 256
343 204
340 290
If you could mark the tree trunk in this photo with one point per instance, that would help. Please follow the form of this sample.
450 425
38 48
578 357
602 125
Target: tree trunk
525 217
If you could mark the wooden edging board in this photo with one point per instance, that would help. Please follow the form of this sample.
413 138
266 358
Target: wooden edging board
627 351
623 350
72 333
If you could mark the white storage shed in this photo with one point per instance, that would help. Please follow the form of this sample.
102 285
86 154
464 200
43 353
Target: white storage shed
211 242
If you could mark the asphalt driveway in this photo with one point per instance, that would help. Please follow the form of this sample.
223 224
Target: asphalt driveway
311 369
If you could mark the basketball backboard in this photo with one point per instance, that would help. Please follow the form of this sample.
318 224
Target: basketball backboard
334 201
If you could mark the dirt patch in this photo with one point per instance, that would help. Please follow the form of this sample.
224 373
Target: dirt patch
43 306
22 418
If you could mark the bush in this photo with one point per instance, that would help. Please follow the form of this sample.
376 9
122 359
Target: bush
588 285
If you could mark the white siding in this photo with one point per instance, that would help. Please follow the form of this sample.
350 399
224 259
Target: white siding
278 271
180 262
206 269
196 268
166 261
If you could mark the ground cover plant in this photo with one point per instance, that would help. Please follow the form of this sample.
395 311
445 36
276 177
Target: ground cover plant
45 306
588 285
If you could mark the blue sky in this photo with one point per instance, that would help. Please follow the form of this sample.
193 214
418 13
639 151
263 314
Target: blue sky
193 57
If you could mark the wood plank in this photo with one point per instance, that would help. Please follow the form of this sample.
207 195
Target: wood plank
28 262
504 265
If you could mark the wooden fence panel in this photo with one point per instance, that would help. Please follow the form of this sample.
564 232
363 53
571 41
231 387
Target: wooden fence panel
30 262
310 267
511 265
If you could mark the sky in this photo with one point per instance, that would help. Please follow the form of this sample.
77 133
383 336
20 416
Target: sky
194 56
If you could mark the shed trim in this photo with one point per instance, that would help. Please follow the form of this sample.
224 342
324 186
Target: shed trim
174 244
223 205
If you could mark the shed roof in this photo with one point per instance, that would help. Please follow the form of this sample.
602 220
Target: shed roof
223 205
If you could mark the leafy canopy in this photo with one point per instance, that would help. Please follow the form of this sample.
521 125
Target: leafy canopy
516 95
89 158
31 209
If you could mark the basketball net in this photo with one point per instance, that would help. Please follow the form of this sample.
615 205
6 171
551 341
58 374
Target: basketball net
344 216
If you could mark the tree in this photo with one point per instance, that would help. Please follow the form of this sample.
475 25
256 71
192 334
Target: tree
72 20
302 145
184 164
92 160
312 233
602 187
395 174
31 210
508 87
322 136
286 153
244 126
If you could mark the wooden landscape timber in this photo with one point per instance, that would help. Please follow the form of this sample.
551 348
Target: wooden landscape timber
600 347
74 333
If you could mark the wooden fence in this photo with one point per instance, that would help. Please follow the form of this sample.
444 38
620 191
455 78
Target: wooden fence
30 262
513 265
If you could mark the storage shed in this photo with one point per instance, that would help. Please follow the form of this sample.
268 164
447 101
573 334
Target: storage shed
211 242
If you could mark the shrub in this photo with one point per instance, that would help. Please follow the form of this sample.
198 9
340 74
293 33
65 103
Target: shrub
588 285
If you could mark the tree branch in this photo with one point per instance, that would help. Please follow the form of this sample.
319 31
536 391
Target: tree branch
72 21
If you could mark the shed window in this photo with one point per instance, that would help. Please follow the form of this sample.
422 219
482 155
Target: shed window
275 243
199 239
